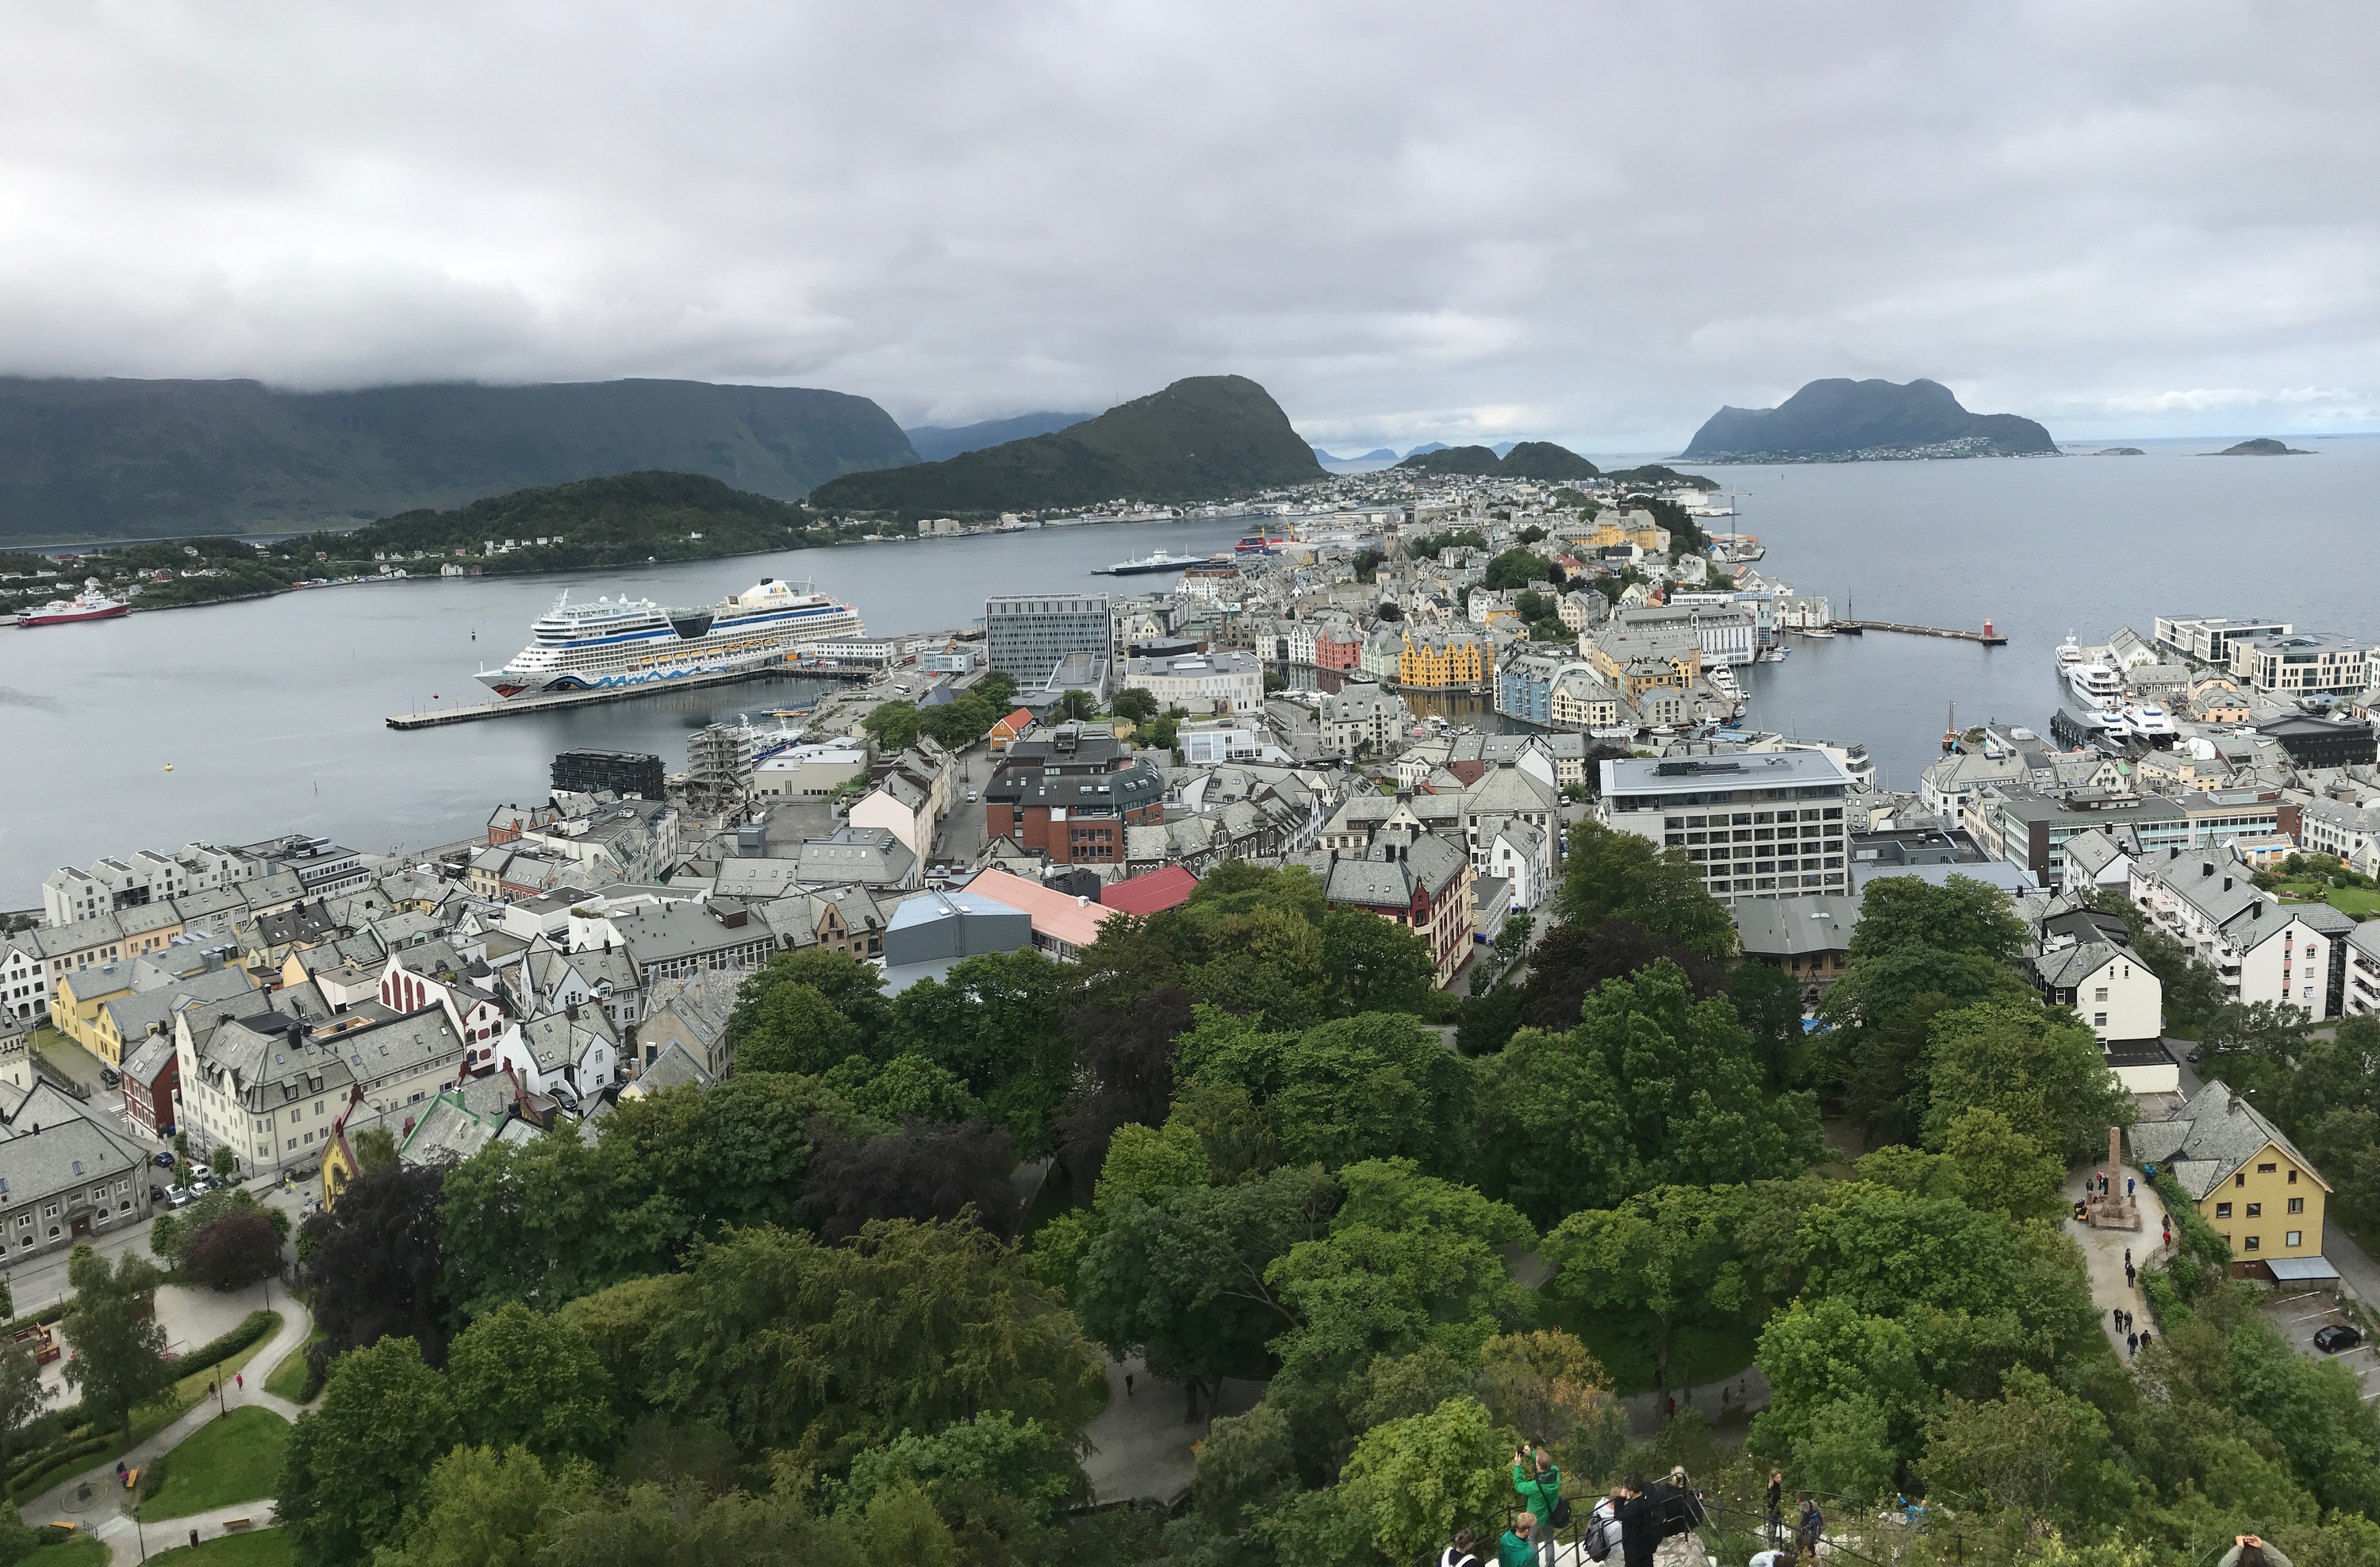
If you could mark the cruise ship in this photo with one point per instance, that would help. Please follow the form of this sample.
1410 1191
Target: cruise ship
613 643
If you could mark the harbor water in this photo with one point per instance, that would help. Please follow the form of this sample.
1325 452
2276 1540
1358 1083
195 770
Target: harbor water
270 712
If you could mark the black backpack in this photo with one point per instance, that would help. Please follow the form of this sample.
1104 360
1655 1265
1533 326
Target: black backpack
1676 1510
1559 1518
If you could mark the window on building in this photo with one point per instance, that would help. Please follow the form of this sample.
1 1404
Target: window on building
2098 1020
2222 1210
2239 1180
2256 1242
2256 1210
2293 1177
2267 1169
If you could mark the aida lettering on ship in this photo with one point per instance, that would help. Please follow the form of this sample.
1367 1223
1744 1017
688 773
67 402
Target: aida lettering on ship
613 643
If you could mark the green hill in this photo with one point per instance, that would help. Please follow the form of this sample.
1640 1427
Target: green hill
1842 421
627 519
1199 439
98 459
1530 459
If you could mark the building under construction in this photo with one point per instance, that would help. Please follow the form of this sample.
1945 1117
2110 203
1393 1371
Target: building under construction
719 765
625 773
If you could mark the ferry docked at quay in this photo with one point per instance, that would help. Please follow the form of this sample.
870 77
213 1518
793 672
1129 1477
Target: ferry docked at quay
608 644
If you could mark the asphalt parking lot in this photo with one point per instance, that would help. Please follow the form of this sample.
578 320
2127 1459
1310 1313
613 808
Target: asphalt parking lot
2302 1314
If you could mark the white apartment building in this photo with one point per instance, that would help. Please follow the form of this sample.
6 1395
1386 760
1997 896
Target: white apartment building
2295 664
2289 955
1765 825
143 877
1227 682
2108 988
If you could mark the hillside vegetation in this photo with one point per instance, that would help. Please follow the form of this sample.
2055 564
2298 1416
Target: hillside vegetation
1531 459
1201 439
1843 420
98 459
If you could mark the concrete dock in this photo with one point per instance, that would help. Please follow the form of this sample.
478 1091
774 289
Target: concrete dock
472 713
1986 637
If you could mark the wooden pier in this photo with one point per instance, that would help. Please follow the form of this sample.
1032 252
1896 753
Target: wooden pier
472 713
1986 637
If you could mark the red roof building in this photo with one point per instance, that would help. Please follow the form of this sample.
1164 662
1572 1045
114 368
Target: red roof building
1153 894
1009 728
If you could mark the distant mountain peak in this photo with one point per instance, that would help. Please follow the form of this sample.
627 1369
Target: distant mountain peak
1201 438
1520 460
1845 421
936 442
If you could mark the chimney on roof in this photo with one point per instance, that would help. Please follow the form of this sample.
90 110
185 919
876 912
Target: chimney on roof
2235 1103
2226 883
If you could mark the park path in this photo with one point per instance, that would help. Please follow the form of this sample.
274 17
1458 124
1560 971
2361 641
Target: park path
102 1513
2103 1256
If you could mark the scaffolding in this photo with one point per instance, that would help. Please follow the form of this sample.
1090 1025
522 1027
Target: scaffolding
719 766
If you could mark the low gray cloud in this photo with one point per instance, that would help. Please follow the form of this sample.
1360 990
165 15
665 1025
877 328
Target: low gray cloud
1588 223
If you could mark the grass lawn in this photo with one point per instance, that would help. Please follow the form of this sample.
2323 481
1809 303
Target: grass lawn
150 1420
82 1551
2362 903
237 1458
288 1378
265 1548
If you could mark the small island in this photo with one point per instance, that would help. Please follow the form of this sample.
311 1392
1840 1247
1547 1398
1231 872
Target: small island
2119 452
2263 446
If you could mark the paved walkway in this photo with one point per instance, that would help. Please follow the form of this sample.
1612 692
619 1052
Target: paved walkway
2103 1255
102 1512
1142 1446
1745 1393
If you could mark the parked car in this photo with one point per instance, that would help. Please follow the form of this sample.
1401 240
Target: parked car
156 1192
182 1197
112 1078
163 1159
2337 1337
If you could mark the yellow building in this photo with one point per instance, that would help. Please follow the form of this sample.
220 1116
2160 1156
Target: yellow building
2257 1191
1612 529
1436 661
76 1000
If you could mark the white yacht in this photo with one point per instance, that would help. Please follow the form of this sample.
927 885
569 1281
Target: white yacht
2098 685
2070 653
2150 723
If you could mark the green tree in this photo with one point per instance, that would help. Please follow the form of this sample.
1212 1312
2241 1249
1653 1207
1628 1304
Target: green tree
1134 704
1409 1260
893 725
22 1398
2001 1170
1376 964
822 1351
1021 1460
1179 1275
1769 1004
119 1362
2034 1449
1611 875
1962 915
375 1148
2047 1076
1517 568
1414 1482
223 1162
1078 704
1368 1087
1670 1255
1651 1088
996 1022
483 1508
1846 1451
358 1462
792 1028
1878 1056
518 1378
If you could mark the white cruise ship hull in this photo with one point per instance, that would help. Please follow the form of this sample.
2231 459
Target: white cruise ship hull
614 646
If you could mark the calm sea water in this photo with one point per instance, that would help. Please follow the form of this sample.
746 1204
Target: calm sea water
270 712
2040 547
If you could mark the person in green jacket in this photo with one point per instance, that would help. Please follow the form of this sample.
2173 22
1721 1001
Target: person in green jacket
1536 1480
1513 1550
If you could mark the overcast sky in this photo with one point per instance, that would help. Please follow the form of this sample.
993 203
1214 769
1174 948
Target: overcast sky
1593 223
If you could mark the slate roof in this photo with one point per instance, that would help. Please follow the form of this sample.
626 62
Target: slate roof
1795 927
2208 1140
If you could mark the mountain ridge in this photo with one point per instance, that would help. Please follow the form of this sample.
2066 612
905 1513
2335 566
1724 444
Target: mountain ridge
935 442
1520 460
1840 419
1201 438
90 459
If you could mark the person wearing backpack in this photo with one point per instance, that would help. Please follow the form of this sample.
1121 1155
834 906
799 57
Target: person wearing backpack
1639 1516
1603 1527
1536 1480
1464 1552
1811 1527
